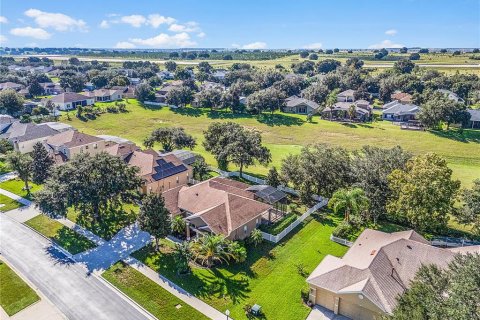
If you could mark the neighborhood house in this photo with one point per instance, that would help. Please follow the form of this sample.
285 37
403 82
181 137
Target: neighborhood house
299 105
397 111
70 100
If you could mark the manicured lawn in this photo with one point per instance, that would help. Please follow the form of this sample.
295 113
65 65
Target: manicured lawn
278 226
63 236
287 133
3 167
15 294
158 301
16 186
268 277
8 203
112 222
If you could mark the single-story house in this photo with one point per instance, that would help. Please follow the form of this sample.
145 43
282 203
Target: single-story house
11 85
89 86
23 136
397 111
104 95
219 206
474 121
161 94
166 75
50 88
70 143
299 105
341 111
219 74
69 100
127 91
135 81
451 95
402 97
346 96
365 283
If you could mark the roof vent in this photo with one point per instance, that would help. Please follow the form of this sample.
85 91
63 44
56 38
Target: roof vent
409 246
196 194
373 252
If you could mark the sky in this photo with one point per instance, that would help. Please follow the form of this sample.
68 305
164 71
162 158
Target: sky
247 24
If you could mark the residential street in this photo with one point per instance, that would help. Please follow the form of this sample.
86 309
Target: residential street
67 285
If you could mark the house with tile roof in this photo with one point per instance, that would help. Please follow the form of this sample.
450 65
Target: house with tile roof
365 283
219 206
402 97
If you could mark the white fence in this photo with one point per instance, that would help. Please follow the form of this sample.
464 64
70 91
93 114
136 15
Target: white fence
341 241
448 242
293 225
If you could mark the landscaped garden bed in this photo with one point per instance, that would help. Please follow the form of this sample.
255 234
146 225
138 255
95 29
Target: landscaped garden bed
60 234
15 294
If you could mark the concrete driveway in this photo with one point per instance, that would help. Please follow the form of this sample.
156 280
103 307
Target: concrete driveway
66 284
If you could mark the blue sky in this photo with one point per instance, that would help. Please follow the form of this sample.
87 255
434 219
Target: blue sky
240 24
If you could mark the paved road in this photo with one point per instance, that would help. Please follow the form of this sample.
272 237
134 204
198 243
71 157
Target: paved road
66 284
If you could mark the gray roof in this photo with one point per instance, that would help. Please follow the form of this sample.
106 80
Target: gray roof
268 193
346 93
475 114
186 156
451 95
345 106
294 101
21 132
401 109
68 97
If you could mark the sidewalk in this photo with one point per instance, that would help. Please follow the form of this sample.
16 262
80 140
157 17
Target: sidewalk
13 196
8 176
80 230
175 290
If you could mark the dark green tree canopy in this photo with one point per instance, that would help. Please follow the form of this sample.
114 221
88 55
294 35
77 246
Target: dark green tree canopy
171 138
42 163
154 218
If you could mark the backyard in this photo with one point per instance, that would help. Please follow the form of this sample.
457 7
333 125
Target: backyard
15 294
273 276
287 133
60 234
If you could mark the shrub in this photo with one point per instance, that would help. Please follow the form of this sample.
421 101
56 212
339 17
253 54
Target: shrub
256 237
112 109
346 230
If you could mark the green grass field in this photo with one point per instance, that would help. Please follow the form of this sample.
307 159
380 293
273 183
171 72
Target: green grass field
16 186
8 203
284 134
158 301
63 236
15 294
269 276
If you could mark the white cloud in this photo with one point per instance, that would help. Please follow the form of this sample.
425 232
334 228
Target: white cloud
201 35
313 46
36 33
57 21
391 32
31 44
124 45
3 39
191 26
236 45
155 20
135 20
163 40
386 44
255 45
3 19
104 24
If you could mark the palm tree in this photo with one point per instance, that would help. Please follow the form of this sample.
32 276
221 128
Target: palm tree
351 201
178 225
22 164
210 248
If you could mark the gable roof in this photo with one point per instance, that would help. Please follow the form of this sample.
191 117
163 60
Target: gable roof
402 96
398 108
20 132
71 139
68 97
346 93
380 266
295 101
10 85
222 204
154 167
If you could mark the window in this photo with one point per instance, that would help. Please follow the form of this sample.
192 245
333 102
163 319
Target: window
245 229
95 146
178 180
86 147
256 221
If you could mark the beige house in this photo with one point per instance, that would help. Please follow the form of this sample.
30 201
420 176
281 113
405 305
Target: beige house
366 282
104 95
299 105
66 145
218 206
23 136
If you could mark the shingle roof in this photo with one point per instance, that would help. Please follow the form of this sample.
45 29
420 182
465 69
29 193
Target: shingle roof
294 101
398 108
68 97
154 167
268 193
346 93
21 132
379 265
402 96
71 139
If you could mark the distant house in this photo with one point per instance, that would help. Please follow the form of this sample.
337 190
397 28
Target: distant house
166 75
135 81
218 206
104 95
69 101
127 91
50 88
396 111
341 111
219 74
451 95
11 85
89 86
212 85
161 94
69 143
23 136
366 282
474 121
402 97
299 105
346 96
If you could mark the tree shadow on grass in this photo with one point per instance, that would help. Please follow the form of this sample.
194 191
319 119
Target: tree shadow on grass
150 106
349 125
465 136
278 119
221 285
189 112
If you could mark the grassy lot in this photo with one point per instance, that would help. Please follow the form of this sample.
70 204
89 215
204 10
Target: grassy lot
113 221
16 186
158 301
15 294
9 204
287 133
269 276
3 167
63 236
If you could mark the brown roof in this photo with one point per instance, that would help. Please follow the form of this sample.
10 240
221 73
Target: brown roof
122 150
379 265
154 167
71 139
170 198
224 205
402 96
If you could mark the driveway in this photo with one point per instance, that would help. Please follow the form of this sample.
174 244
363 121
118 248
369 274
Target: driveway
66 284
125 242
321 313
